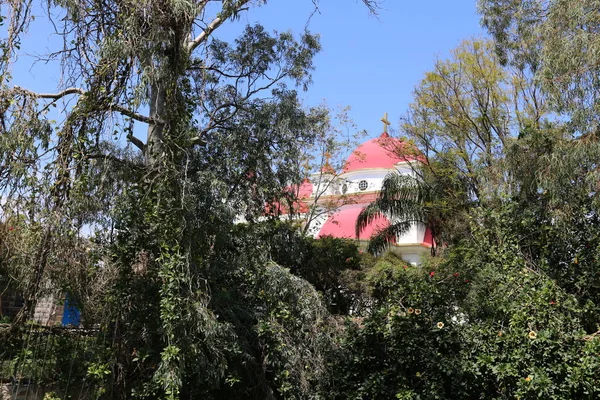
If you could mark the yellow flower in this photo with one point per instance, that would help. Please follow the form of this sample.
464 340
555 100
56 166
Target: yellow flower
417 311
440 325
532 335
410 310
500 333
528 379
418 374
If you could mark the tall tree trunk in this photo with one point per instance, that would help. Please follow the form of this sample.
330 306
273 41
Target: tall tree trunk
155 140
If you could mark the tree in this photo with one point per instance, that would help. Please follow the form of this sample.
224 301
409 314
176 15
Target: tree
464 115
324 166
153 219
329 264
554 165
557 42
510 307
466 111
321 166
481 321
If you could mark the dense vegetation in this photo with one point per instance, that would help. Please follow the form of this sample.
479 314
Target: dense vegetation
180 300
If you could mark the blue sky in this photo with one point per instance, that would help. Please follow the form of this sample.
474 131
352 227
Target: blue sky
373 64
370 64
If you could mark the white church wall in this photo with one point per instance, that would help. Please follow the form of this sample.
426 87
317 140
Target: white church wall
321 185
411 254
420 233
410 237
332 186
406 169
373 178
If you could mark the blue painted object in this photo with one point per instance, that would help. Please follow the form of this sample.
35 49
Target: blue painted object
71 314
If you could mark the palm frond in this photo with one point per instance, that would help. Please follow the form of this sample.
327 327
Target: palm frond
396 185
402 199
367 215
382 239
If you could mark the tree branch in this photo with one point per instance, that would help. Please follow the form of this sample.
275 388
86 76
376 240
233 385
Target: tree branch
133 115
55 96
111 107
218 21
113 158
136 142
198 141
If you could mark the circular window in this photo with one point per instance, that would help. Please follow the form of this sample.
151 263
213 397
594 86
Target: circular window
363 185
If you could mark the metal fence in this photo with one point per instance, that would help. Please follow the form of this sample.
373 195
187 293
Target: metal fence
38 361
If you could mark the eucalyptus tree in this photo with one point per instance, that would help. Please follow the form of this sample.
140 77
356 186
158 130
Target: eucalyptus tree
558 42
125 197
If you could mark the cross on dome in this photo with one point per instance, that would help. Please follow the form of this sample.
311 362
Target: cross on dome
385 123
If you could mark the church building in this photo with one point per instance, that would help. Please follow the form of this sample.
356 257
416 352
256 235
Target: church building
358 185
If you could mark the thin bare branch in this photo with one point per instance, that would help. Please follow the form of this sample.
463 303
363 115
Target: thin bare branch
55 96
218 21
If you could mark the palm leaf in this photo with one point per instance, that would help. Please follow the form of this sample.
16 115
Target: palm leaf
367 215
402 199
381 240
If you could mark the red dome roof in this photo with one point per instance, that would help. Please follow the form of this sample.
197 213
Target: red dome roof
381 152
342 224
305 190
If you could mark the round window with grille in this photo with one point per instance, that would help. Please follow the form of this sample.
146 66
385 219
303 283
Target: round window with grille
363 185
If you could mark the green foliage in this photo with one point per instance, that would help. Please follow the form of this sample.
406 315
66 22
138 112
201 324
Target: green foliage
465 114
329 263
463 118
508 309
408 345
484 322
557 42
179 300
141 233
437 202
